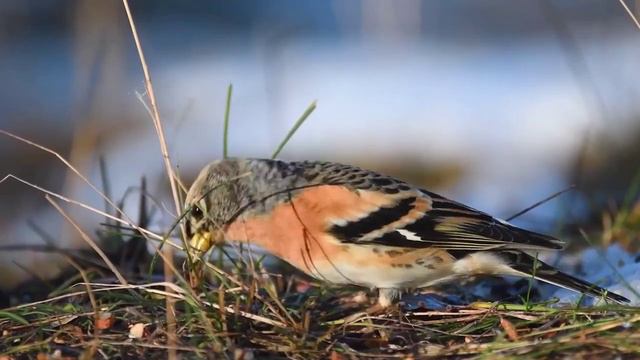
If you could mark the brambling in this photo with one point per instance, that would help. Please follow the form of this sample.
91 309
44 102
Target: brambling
347 225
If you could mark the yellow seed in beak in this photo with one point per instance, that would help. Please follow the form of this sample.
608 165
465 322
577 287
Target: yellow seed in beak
201 242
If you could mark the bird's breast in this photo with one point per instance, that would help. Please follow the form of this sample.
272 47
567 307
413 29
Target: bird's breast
296 231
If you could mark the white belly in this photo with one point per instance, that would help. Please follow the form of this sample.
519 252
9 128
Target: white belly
382 277
414 268
385 267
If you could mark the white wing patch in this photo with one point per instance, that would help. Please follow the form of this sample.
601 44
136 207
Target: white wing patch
339 222
409 235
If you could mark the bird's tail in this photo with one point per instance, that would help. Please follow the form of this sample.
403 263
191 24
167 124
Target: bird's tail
527 266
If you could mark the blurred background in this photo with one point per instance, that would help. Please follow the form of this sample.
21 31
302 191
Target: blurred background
494 103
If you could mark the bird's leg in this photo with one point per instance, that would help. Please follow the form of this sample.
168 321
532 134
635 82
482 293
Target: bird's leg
386 298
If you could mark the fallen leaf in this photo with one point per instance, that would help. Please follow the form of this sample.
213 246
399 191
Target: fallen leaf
509 329
63 320
136 331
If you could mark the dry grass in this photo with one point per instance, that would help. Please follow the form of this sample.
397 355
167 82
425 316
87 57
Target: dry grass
240 312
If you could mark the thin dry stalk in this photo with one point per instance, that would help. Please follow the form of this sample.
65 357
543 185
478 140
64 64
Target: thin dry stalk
146 232
193 297
79 174
631 14
154 108
168 252
176 292
248 289
89 241
83 274
69 166
93 345
251 266
153 346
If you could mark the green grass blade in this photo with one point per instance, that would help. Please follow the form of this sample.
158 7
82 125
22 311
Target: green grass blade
532 278
634 190
293 130
603 255
227 110
11 316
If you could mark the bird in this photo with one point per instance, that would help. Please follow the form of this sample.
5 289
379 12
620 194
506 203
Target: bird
350 226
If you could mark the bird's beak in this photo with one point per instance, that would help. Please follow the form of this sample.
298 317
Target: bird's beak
199 244
202 241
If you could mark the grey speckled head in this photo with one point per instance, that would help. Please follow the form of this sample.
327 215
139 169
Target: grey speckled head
213 197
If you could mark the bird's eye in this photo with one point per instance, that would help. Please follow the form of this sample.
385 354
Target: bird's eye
196 212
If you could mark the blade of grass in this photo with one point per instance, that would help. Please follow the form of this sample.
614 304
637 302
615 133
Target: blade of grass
14 317
295 127
227 110
532 278
634 189
548 198
604 257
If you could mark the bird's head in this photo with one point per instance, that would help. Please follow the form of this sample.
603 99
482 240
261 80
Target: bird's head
212 201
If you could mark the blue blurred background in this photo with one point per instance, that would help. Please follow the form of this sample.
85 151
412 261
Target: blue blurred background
494 103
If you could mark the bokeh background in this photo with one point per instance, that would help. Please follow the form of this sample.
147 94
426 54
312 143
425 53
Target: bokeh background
494 103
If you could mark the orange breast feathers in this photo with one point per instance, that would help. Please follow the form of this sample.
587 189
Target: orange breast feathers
296 231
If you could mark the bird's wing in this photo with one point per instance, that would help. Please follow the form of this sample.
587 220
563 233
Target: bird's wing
418 219
414 218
